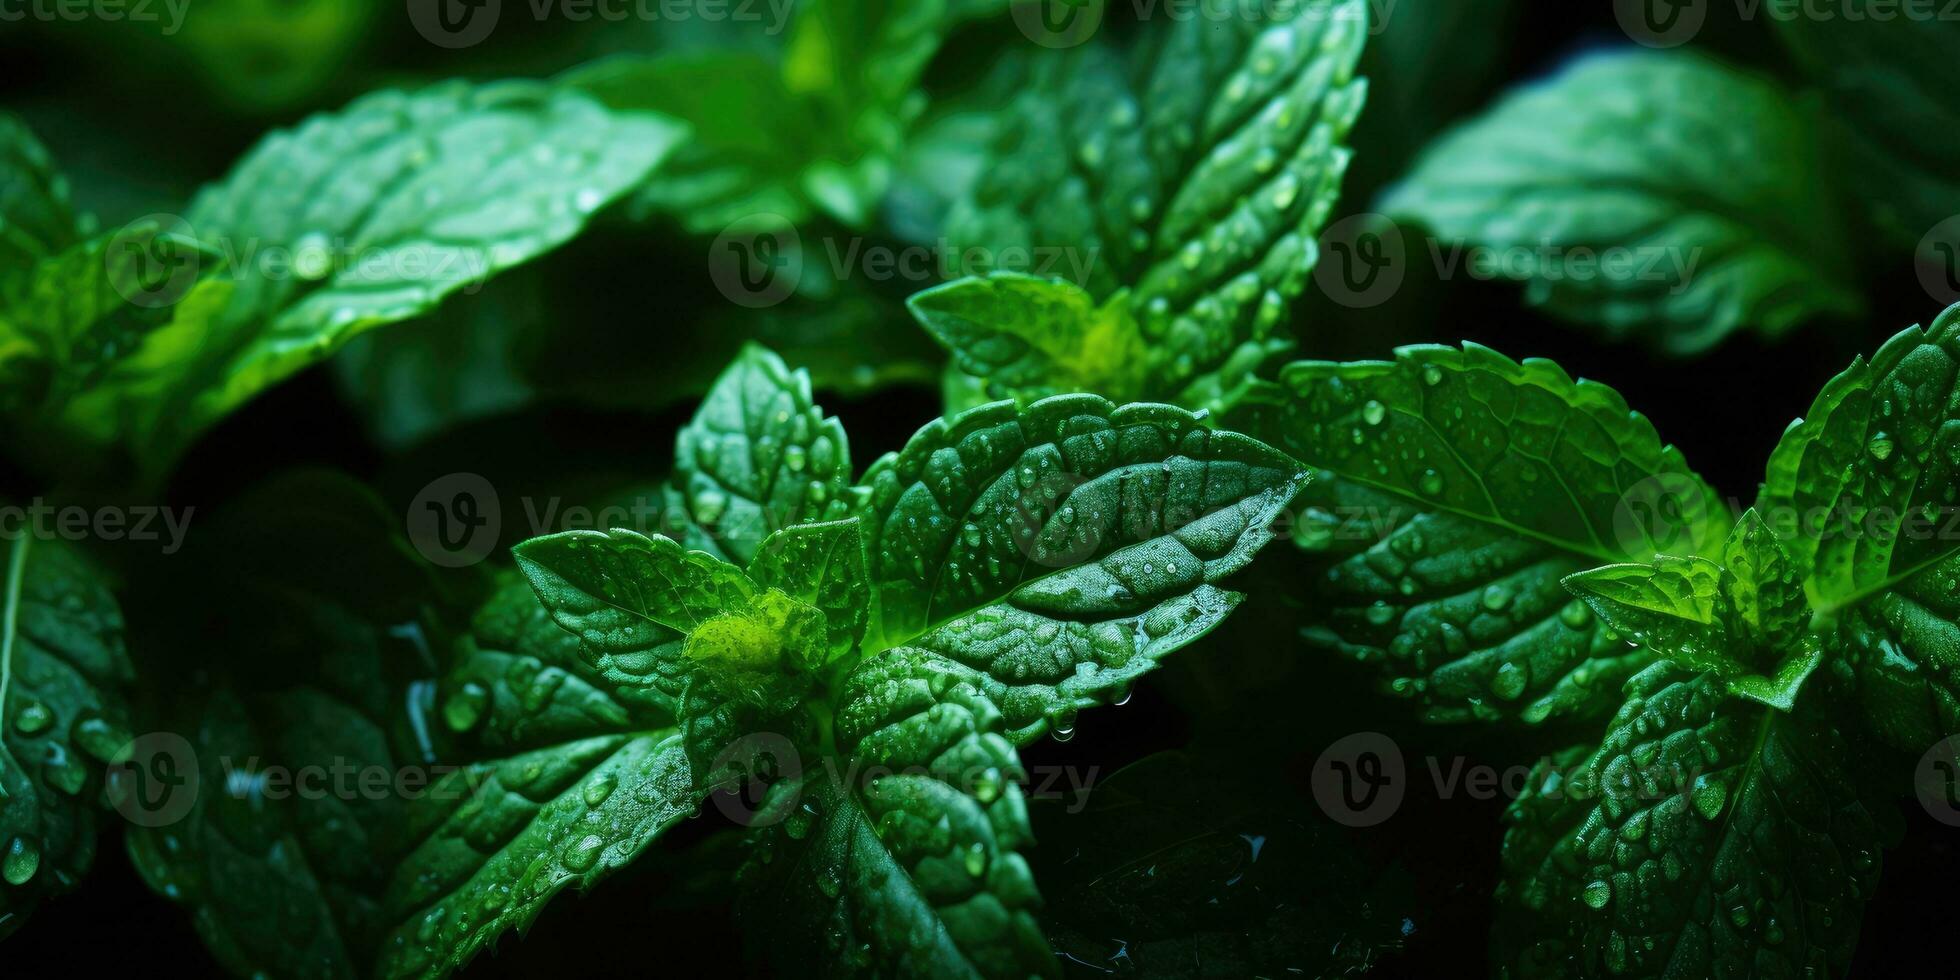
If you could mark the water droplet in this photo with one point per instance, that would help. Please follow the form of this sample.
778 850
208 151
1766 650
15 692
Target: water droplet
22 860
1709 797
976 859
1496 596
1598 894
1508 682
599 788
1380 613
1374 412
1576 615
1431 482
1880 446
583 853
463 709
33 719
1432 375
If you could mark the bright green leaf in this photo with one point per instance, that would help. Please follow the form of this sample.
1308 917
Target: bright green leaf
1194 170
1454 489
1863 492
1036 337
759 455
822 565
1052 555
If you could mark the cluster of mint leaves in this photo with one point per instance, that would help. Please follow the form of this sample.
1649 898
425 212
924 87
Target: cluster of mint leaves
1012 565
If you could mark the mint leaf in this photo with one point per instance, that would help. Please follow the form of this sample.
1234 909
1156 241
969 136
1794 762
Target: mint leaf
577 769
62 673
83 358
1453 489
1743 618
1050 556
816 124
386 208
822 565
1037 337
1892 93
759 455
37 219
624 593
1722 214
1706 836
912 864
1867 485
1194 170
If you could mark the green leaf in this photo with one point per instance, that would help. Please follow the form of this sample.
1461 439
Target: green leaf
816 124
1194 170
912 863
822 565
577 767
1036 337
385 209
281 856
62 674
1629 201
1746 621
759 455
1453 489
1864 491
37 219
1706 836
1893 95
626 594
1050 556
299 720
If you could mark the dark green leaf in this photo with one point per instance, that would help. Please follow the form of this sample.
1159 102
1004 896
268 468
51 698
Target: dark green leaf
1649 193
36 217
1454 489
62 674
1707 836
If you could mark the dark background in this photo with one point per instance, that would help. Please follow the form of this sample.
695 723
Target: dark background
1249 715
